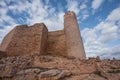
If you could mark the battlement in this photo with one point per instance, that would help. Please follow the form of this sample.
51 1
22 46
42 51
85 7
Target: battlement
29 27
69 13
38 24
36 39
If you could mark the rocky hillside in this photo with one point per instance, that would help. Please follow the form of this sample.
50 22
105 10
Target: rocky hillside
48 67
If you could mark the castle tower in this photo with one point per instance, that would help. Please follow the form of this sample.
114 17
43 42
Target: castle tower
74 43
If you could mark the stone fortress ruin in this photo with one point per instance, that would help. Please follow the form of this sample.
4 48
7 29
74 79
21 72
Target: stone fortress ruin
36 39
22 55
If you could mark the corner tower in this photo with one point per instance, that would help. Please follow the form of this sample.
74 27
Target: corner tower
74 43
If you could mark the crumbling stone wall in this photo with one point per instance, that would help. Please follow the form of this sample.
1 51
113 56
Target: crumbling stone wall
7 39
56 43
37 40
27 40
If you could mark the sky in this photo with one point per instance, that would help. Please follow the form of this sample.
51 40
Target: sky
99 21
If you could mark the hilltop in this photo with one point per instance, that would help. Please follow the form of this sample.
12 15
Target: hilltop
48 67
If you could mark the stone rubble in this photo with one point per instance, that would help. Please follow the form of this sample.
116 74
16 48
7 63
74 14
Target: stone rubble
33 67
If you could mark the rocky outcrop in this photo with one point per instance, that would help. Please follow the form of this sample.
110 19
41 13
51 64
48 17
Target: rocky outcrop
33 67
9 66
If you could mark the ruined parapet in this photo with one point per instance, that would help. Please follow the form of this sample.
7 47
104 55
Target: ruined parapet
74 43
26 40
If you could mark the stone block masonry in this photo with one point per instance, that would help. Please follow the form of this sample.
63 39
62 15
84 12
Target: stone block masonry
26 40
36 39
74 43
56 43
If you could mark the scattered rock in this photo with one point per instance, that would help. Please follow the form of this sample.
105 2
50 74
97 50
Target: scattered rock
25 77
45 59
49 73
7 71
59 68
29 71
63 74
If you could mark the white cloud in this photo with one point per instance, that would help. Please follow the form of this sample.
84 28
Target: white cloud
96 4
109 28
2 3
38 12
47 14
47 2
114 15
85 16
5 30
5 18
97 39
109 31
73 5
83 6
19 6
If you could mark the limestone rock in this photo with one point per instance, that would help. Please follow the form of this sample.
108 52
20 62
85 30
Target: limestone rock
8 71
49 73
9 66
29 71
59 68
25 77
27 74
64 73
